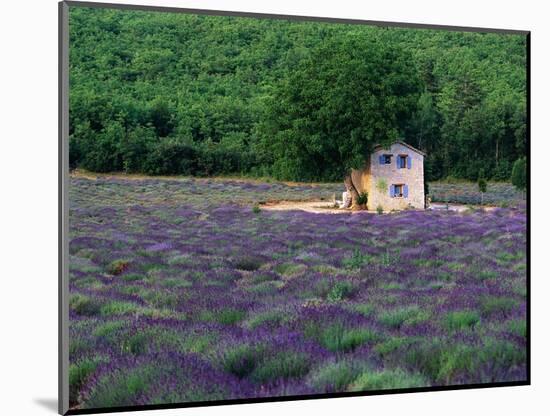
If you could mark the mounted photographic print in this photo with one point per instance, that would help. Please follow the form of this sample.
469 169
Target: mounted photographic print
258 208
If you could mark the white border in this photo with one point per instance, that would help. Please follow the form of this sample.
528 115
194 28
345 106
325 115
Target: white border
28 163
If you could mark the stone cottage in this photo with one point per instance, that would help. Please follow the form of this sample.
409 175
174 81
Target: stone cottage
393 177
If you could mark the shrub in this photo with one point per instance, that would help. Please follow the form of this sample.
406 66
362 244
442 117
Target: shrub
135 344
243 359
388 379
410 315
379 210
335 376
120 388
171 156
502 171
84 305
365 309
363 198
519 174
341 290
496 305
256 209
461 320
136 147
248 263
336 337
266 318
109 329
392 344
118 266
382 185
79 372
283 365
357 260
119 308
518 327
230 316
289 269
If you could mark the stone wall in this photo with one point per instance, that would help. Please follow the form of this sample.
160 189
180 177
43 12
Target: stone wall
377 179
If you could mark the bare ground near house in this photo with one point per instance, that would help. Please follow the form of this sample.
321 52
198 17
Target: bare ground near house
324 207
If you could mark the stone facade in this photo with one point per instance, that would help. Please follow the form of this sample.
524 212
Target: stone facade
396 185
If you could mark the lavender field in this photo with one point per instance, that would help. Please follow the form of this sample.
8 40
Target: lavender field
182 291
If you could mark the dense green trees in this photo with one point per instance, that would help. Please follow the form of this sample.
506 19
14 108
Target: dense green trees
519 174
327 114
164 93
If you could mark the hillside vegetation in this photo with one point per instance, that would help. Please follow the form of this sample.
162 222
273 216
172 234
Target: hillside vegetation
167 93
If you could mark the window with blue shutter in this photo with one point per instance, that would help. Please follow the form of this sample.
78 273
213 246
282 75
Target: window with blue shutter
402 161
405 191
397 191
409 162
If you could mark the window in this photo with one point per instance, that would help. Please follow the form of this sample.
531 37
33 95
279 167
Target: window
398 191
384 159
402 161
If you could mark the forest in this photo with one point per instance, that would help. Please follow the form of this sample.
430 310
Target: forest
183 94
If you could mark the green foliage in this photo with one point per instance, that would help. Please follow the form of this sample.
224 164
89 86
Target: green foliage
121 388
382 185
461 320
379 210
117 267
497 305
519 174
248 263
357 260
388 379
481 182
518 327
363 198
341 290
289 269
80 371
336 337
242 360
268 317
365 309
442 362
283 365
163 93
322 121
335 376
84 305
410 315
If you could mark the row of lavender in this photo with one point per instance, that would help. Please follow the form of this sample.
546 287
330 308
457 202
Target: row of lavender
181 292
498 193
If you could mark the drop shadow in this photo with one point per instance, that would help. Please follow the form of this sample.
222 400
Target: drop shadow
49 404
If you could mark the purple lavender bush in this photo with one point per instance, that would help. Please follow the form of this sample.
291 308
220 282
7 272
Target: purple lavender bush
179 293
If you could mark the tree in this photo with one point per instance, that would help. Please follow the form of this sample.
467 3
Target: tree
481 183
519 174
352 92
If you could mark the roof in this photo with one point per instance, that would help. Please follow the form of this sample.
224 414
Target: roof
401 142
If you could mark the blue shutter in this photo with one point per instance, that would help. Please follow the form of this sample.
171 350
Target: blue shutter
392 191
409 162
397 161
405 191
381 159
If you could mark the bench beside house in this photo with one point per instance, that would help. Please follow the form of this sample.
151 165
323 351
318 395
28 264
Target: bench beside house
393 177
